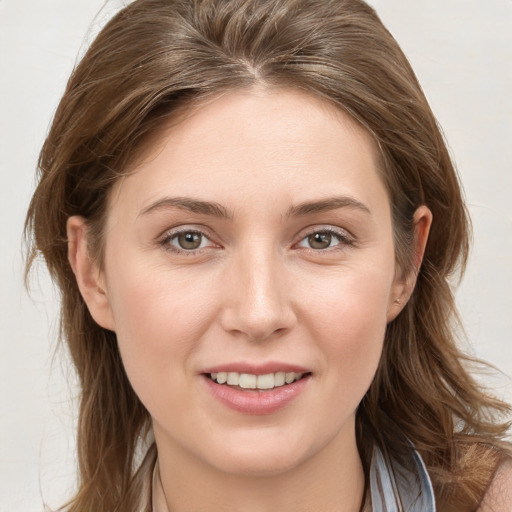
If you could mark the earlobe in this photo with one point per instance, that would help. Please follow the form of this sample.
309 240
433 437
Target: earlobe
87 274
404 287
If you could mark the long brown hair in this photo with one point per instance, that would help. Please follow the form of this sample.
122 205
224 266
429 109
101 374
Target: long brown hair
158 56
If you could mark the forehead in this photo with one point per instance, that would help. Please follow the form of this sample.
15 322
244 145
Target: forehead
253 141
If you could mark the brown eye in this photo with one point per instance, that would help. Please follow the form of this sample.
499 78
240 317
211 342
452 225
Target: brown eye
189 240
186 241
324 239
320 240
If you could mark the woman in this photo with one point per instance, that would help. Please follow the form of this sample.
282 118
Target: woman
252 216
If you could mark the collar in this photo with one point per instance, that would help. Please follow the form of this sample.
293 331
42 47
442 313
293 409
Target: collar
398 485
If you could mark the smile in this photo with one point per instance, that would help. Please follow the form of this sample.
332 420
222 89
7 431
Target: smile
257 389
252 381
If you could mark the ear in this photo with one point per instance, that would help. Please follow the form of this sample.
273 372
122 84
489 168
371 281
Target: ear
88 276
404 285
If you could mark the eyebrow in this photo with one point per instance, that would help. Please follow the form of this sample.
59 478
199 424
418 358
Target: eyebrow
215 209
192 205
330 203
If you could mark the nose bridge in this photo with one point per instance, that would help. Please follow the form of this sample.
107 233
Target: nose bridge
259 305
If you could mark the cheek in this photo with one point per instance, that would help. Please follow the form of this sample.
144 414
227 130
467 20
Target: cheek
159 321
349 320
354 343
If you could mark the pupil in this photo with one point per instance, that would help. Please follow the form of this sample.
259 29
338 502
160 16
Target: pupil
189 240
320 240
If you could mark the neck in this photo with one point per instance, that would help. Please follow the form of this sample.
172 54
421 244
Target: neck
331 480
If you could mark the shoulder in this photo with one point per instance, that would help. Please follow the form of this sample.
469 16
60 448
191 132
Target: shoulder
498 497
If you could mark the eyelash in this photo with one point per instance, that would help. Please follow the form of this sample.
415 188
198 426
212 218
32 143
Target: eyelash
343 238
166 241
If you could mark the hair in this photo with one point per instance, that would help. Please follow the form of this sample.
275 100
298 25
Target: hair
158 57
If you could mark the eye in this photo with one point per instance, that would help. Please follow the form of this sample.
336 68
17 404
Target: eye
324 239
186 241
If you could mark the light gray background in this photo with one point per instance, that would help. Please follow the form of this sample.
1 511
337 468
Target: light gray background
462 53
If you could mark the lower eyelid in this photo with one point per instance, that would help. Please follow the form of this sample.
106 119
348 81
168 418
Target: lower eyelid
344 239
168 237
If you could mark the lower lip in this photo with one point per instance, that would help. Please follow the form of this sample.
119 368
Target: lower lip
258 402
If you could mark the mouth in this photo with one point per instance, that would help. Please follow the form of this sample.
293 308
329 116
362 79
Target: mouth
257 388
252 381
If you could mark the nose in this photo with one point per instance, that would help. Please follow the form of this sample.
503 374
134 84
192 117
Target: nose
257 301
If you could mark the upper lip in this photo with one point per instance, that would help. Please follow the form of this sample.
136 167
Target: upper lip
256 368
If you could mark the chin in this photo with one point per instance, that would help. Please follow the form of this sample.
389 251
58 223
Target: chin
265 455
266 464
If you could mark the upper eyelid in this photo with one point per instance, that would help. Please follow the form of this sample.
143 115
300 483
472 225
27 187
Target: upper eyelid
170 233
343 232
200 228
165 239
346 239
185 228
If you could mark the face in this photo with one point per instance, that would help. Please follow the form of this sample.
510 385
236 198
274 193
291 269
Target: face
253 243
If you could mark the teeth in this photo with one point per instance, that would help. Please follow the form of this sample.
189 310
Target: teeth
233 378
279 378
289 377
266 381
251 381
248 381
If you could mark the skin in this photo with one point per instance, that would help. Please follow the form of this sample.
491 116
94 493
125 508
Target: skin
256 290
